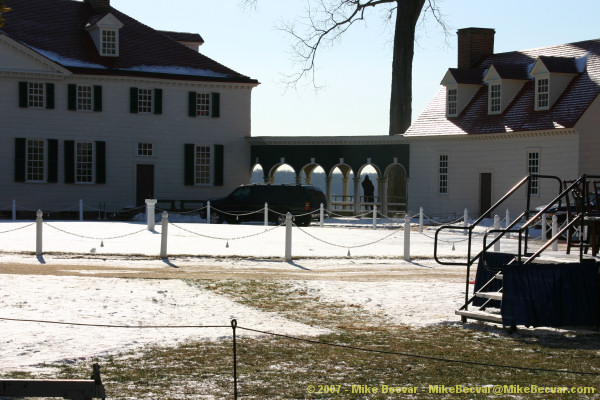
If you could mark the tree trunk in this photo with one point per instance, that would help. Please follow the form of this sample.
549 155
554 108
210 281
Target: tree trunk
407 15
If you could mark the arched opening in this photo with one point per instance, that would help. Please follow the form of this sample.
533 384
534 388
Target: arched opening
342 198
369 188
282 174
257 174
396 189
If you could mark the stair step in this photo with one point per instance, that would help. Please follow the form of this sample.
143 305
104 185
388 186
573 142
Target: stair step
489 295
499 277
480 315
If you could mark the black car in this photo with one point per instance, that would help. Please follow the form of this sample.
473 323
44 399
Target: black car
247 202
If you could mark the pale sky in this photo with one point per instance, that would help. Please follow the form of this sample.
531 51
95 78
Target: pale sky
356 72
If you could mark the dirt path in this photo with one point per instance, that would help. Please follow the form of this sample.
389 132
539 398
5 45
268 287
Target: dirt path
350 269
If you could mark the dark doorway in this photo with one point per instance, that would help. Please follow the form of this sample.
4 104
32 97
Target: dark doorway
144 183
485 193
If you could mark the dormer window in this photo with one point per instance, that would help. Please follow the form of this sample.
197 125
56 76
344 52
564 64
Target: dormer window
104 31
542 94
451 102
495 104
109 42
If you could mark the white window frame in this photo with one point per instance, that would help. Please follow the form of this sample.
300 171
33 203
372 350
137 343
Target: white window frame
203 170
84 97
533 167
36 95
452 102
109 42
495 99
443 163
145 100
542 93
85 170
32 162
145 149
203 104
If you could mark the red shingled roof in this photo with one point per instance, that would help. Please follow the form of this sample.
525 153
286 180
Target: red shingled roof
520 114
57 27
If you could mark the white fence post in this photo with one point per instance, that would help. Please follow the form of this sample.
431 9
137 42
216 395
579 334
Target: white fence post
544 227
321 215
375 216
150 218
554 232
421 220
497 226
466 221
406 238
288 237
507 223
14 210
266 214
81 209
39 223
164 234
208 212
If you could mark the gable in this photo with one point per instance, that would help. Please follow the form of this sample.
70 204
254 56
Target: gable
20 59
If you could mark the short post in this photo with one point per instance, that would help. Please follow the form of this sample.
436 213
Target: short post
39 223
321 215
164 234
421 217
266 214
544 227
80 209
497 234
288 237
150 218
14 210
208 212
554 232
507 222
406 238
375 216
466 221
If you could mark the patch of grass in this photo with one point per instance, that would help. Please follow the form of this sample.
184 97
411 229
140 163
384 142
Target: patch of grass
272 367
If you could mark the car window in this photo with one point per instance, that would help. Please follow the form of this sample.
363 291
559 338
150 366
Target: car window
240 194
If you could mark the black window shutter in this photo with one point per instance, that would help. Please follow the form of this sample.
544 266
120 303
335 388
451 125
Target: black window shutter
72 97
100 162
219 165
192 104
189 164
20 156
50 96
97 98
23 95
69 161
52 160
133 100
158 101
216 105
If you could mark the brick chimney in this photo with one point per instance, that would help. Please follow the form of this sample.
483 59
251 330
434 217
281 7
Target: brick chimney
99 6
474 43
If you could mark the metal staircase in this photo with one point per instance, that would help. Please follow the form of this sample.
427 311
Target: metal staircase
489 295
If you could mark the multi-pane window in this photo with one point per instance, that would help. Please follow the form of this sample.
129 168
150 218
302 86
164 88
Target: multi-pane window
203 104
443 174
109 42
495 96
35 160
145 100
202 165
533 167
452 100
84 98
35 95
84 166
542 93
144 149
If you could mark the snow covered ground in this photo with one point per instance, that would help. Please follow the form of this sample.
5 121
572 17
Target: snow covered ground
91 273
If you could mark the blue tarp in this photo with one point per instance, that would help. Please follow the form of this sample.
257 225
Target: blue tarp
552 295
